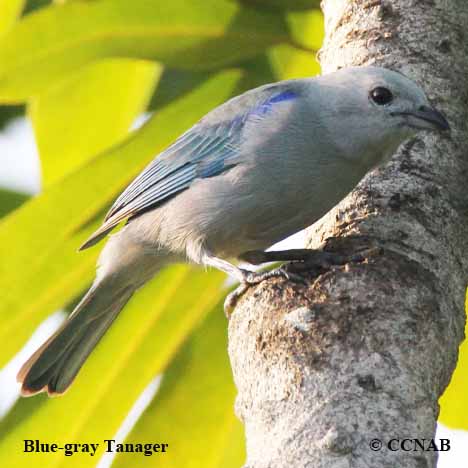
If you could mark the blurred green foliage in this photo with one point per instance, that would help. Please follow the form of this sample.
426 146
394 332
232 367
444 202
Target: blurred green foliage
196 380
454 401
55 41
10 11
10 200
32 5
60 114
283 4
86 71
8 113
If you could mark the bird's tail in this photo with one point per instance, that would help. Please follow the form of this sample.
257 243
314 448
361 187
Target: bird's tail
56 363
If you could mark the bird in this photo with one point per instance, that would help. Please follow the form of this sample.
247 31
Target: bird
260 167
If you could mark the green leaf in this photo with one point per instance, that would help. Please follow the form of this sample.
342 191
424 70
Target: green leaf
46 231
10 200
21 411
283 4
307 28
139 345
89 112
258 71
174 84
7 113
453 403
33 5
193 410
234 454
57 40
10 10
289 62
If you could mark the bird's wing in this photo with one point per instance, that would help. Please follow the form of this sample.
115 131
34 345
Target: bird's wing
206 150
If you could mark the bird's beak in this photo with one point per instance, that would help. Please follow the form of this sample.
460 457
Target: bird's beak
427 118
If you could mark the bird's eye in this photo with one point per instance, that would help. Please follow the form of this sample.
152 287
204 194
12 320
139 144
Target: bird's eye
381 96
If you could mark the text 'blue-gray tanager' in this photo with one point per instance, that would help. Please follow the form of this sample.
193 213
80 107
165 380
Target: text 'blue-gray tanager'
257 169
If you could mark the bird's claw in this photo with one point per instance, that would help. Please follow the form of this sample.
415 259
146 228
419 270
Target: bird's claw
232 298
325 260
317 259
252 278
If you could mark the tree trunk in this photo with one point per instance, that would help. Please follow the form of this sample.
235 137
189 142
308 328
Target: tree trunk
365 350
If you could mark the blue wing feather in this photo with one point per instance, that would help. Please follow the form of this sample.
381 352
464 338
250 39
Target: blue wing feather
208 149
175 169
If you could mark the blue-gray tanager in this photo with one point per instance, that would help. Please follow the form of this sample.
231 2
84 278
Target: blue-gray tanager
257 169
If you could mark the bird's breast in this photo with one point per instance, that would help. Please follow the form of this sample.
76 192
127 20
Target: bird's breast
278 202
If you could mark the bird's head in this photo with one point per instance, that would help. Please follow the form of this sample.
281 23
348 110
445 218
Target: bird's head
376 109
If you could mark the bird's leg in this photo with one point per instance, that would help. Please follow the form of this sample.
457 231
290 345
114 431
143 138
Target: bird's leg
246 278
235 272
302 260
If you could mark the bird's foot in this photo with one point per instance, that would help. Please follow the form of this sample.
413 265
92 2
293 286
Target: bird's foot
300 261
252 278
316 260
304 259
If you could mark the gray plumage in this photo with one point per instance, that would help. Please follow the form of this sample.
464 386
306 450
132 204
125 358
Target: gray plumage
257 169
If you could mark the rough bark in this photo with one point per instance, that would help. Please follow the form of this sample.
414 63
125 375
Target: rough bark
365 351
